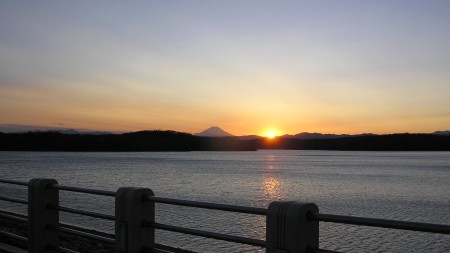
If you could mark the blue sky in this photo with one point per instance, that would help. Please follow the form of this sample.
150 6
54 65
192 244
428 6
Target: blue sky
247 66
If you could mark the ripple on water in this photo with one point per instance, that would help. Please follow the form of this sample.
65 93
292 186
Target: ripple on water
411 186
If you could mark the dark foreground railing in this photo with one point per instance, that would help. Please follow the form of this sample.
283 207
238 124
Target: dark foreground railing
291 227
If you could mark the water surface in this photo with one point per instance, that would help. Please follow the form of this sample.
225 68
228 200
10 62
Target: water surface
413 186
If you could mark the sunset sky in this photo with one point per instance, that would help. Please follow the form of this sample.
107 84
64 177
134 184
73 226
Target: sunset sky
246 66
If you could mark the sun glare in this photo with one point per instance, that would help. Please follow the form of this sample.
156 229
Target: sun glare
271 135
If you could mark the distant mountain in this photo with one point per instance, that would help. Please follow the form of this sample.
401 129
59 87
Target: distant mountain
11 128
307 136
249 137
442 132
72 131
214 132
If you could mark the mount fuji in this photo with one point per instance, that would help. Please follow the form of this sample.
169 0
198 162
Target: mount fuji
214 132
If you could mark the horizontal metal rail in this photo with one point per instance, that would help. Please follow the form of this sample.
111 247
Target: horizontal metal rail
84 190
217 236
13 217
82 234
6 181
15 214
382 223
156 250
63 225
14 200
165 248
322 251
82 212
11 235
61 249
206 205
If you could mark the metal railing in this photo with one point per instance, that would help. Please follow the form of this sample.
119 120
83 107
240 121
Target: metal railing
38 239
12 216
211 206
135 224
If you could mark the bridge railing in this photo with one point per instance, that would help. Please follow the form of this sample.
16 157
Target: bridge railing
291 227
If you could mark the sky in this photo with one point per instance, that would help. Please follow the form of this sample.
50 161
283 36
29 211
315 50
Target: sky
250 66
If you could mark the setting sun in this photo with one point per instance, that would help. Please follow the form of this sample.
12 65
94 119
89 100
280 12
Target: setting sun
271 135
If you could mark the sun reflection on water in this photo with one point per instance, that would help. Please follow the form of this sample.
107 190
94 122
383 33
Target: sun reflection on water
272 187
271 181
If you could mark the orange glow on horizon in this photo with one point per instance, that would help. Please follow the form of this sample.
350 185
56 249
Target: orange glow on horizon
271 135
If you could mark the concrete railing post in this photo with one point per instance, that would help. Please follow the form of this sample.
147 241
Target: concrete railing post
288 228
132 209
40 217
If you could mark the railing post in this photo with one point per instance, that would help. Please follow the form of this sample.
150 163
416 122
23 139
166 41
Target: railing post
132 209
288 228
40 217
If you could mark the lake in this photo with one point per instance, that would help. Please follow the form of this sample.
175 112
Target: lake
411 186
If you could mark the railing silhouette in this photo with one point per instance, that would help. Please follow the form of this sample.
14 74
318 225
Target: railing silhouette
291 227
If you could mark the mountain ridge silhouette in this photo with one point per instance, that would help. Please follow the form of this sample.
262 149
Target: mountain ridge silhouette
159 140
214 131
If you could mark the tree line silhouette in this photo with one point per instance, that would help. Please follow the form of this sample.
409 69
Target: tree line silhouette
176 141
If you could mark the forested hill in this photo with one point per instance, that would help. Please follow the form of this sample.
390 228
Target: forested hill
176 141
391 142
136 141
